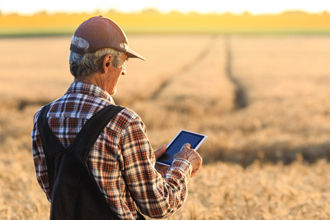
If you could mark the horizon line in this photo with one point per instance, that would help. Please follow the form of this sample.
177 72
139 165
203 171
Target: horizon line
157 11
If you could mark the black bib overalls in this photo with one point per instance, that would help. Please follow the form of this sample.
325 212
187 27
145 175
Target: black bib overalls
74 193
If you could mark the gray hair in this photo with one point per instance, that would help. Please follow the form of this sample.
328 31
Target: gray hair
89 63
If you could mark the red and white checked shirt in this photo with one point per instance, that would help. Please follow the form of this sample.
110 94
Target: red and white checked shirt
122 159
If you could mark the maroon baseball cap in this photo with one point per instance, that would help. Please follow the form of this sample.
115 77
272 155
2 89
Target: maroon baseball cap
101 32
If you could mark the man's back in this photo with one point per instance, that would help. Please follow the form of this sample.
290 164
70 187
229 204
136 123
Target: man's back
74 192
121 160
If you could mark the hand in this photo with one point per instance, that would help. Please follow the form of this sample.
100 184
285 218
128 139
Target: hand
160 151
192 156
162 169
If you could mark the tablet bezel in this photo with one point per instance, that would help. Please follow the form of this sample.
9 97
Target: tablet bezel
172 141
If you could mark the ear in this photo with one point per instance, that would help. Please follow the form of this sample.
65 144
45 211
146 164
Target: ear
107 62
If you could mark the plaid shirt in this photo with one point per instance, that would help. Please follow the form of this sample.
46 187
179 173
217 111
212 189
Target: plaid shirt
121 160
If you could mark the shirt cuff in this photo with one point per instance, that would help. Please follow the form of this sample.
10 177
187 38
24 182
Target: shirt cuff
183 165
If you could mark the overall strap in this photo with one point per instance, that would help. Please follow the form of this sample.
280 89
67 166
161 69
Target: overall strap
86 137
92 129
46 135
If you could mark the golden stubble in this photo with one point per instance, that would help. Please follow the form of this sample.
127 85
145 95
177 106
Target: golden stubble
259 158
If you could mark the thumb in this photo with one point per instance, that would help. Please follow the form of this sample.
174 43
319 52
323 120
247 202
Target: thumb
160 151
187 146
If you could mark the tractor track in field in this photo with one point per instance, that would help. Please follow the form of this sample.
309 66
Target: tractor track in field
240 97
185 69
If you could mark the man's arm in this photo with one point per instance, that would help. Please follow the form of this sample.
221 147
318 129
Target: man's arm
154 195
39 159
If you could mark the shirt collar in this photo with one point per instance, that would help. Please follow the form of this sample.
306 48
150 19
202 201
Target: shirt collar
89 89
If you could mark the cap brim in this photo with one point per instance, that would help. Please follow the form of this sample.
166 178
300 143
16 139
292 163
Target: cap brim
132 54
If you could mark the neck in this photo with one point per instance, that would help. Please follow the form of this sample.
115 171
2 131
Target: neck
102 80
95 79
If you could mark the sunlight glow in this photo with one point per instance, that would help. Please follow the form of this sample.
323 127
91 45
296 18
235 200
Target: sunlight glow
205 6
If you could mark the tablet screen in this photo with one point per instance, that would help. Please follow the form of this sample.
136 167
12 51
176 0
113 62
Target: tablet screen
175 146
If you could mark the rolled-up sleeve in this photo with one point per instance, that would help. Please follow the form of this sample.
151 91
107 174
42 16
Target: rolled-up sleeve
154 195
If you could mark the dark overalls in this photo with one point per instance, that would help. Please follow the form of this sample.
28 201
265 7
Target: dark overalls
75 194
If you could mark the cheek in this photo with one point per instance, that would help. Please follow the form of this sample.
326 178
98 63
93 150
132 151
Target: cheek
115 82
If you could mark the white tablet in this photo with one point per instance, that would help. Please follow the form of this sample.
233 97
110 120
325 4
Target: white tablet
177 143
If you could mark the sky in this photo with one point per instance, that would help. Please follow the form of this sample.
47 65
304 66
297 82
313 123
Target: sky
204 6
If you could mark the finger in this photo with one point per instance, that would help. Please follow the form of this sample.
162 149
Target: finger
187 145
163 148
192 174
160 151
186 148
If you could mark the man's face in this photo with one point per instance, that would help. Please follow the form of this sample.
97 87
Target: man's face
115 73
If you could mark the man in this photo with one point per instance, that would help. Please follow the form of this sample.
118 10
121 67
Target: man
92 158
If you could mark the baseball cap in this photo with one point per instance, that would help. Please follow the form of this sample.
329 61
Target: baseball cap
100 32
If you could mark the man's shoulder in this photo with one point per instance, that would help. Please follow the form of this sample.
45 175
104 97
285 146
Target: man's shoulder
120 121
37 113
125 117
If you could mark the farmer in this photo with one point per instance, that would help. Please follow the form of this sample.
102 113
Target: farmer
93 158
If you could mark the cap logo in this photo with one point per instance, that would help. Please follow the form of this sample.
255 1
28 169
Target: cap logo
80 42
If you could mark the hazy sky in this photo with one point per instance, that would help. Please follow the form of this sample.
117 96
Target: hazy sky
234 6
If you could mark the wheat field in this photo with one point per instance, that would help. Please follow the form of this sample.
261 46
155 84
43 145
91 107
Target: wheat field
261 100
